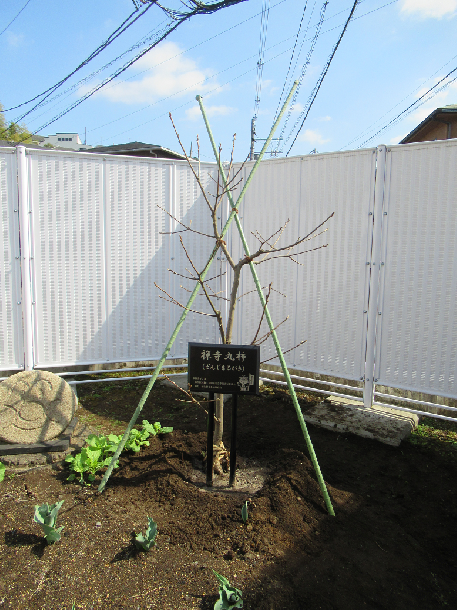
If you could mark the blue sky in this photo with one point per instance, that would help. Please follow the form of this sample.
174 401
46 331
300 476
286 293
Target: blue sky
391 54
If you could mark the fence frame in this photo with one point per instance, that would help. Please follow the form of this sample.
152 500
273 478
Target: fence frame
371 336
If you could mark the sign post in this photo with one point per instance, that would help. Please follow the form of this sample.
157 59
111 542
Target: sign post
223 369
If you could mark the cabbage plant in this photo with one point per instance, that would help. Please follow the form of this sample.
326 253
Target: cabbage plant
229 597
46 516
146 542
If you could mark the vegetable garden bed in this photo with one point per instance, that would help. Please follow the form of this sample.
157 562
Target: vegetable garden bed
391 544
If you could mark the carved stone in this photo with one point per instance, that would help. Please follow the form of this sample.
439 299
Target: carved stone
35 406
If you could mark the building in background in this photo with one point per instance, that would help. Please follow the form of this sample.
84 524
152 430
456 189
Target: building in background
64 140
138 149
441 124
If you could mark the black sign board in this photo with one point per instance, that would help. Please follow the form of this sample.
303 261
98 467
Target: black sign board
223 369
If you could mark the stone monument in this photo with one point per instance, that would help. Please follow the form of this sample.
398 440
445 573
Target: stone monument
35 406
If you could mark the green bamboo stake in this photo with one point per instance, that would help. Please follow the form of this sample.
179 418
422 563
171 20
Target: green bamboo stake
265 307
192 297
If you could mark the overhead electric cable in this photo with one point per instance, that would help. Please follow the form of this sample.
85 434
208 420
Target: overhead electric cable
117 32
67 92
367 130
178 18
14 18
137 45
210 77
412 106
260 62
291 59
230 67
322 76
303 71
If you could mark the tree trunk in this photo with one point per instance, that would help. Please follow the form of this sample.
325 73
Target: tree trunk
219 425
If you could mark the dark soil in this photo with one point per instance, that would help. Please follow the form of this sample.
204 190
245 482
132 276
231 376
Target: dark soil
391 545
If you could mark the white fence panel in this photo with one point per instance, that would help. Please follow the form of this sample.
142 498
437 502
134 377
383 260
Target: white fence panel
140 252
417 328
11 338
327 293
104 230
99 246
68 266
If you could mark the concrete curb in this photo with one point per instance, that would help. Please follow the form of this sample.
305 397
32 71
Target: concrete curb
383 424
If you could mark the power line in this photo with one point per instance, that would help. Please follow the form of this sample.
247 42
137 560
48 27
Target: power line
217 74
14 18
120 30
303 70
292 57
367 130
177 16
137 45
322 76
411 107
260 62
99 70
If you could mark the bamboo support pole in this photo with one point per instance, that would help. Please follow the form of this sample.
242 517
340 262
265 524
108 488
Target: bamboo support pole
181 320
285 370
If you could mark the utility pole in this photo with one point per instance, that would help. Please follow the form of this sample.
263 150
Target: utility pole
251 154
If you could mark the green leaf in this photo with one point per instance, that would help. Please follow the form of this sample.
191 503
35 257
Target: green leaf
222 580
149 427
2 471
147 541
229 597
46 515
51 534
244 512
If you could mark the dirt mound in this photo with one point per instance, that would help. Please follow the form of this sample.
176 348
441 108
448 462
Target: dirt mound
390 545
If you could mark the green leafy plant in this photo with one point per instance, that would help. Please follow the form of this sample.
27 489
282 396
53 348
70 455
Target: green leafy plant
156 428
98 453
136 440
89 461
107 444
46 516
146 542
229 597
244 512
2 471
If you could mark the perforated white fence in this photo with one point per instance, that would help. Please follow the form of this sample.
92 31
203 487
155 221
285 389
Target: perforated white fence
417 311
325 292
100 241
11 346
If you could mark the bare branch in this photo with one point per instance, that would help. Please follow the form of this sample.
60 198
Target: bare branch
268 257
186 227
263 314
189 395
197 176
287 351
217 313
262 288
263 241
175 302
265 337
